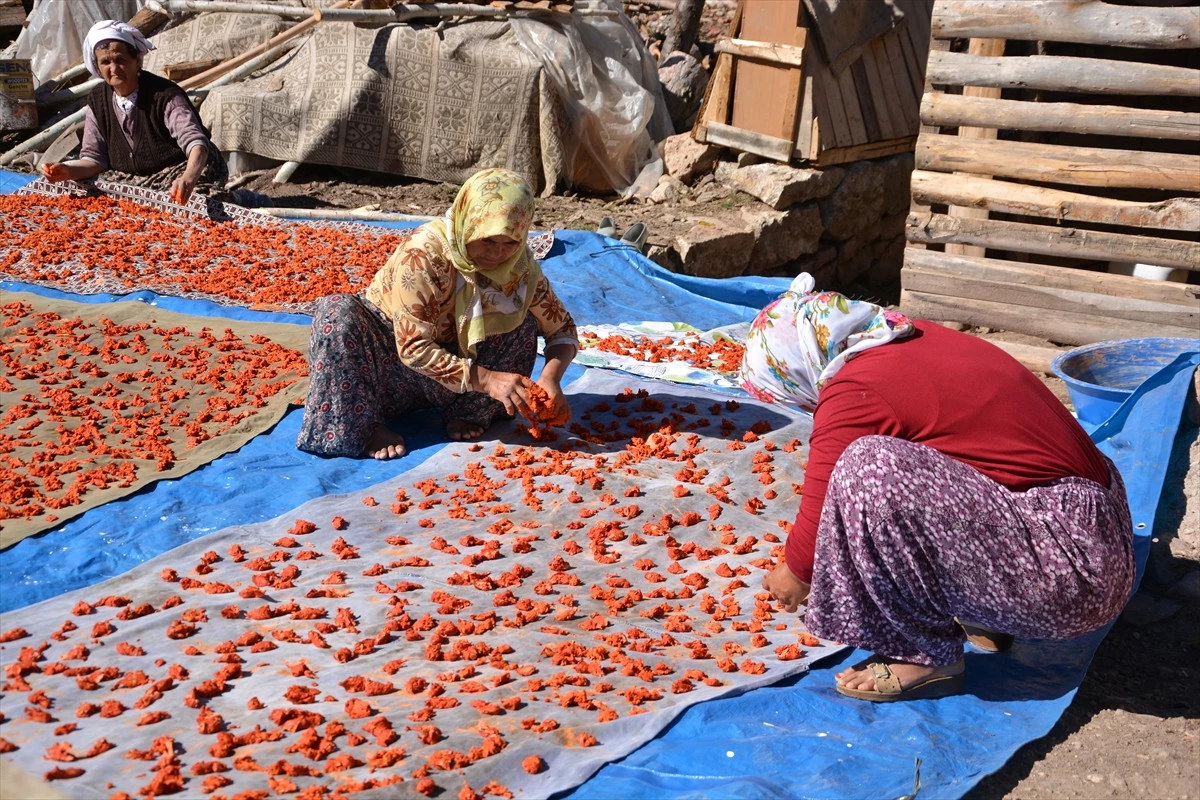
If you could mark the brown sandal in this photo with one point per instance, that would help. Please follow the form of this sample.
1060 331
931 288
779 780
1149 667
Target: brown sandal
887 686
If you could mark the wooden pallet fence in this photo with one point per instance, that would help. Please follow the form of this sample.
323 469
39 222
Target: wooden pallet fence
1037 170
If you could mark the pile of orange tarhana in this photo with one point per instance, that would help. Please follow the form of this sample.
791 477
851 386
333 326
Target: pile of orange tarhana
70 242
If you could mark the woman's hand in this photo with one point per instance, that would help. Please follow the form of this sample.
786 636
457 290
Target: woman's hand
181 189
508 388
558 401
55 173
788 590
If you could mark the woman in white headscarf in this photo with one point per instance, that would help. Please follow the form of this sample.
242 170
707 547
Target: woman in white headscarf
140 128
948 495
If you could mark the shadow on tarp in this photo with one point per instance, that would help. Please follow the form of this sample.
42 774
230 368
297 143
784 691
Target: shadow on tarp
796 739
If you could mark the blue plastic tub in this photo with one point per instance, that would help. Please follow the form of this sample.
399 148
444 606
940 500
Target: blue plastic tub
1101 376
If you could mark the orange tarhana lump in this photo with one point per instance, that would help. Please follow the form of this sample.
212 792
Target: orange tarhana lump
543 415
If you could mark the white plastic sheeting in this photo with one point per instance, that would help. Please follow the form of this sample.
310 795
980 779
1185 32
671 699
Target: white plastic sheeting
53 35
609 84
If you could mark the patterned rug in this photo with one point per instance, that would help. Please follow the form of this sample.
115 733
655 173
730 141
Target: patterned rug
99 400
113 238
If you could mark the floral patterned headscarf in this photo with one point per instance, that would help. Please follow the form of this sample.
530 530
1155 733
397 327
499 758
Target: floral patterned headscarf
800 341
493 202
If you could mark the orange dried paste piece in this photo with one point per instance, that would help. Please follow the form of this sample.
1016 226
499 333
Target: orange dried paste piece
302 527
533 764
427 787
63 773
585 739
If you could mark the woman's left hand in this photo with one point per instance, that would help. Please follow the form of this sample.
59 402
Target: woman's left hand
558 400
788 590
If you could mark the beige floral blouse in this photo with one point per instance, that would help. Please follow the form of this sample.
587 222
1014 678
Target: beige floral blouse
416 289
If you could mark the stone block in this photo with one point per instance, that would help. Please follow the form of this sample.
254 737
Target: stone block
669 190
686 159
684 81
782 236
713 249
856 204
897 179
780 186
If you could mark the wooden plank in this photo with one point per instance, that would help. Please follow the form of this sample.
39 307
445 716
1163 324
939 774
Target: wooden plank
881 106
843 155
1044 276
1063 74
913 63
917 18
872 104
1079 21
718 95
851 102
1176 214
759 86
764 51
910 100
1050 299
838 129
979 47
750 142
1036 358
886 97
1023 237
949 110
805 138
1063 327
1048 163
715 107
11 16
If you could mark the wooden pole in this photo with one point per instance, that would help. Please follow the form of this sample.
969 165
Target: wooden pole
210 75
1063 74
1048 163
947 110
365 15
1176 214
1023 237
976 47
1078 21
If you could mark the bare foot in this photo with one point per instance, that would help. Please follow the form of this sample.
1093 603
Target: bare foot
461 430
385 444
860 677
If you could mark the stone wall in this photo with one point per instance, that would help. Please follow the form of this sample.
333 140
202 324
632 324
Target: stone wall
844 225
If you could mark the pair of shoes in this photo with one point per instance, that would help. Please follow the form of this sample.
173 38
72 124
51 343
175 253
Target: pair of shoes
607 227
636 236
887 686
988 641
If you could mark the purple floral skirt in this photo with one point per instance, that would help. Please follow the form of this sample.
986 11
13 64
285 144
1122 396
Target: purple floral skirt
357 379
910 539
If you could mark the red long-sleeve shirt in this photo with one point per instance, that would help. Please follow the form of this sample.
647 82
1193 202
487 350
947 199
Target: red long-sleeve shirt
955 393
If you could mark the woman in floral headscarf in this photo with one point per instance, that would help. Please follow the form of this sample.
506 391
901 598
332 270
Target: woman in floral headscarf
948 495
451 321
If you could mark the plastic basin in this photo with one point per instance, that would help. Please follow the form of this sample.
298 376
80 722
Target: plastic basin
1101 376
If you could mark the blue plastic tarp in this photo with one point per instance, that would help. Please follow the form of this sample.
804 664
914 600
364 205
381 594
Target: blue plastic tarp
796 739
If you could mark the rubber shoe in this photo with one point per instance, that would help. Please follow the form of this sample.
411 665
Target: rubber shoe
607 227
636 236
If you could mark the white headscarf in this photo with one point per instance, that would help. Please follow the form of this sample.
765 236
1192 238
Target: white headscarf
800 341
107 29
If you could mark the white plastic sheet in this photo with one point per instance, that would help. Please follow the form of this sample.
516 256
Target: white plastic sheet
609 84
53 34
